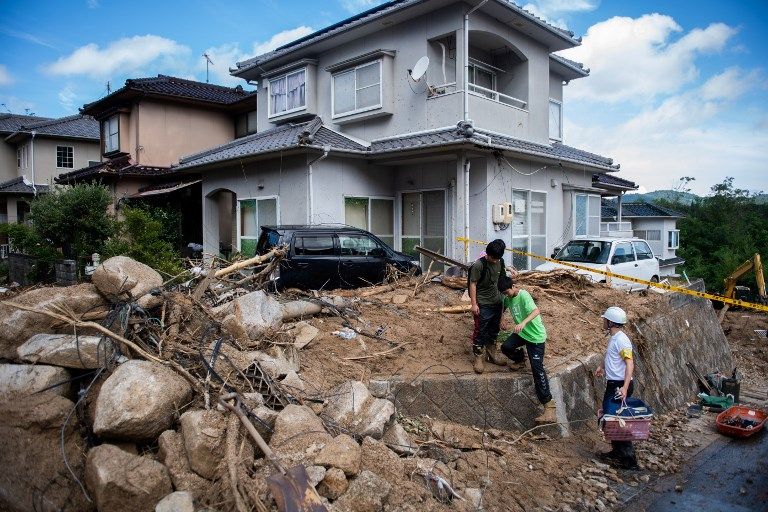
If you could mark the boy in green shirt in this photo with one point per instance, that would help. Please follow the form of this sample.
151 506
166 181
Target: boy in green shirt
528 332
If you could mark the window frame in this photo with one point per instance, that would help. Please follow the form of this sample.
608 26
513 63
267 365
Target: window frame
670 237
107 134
238 216
353 69
248 130
71 157
471 79
22 157
285 76
528 213
370 213
560 105
636 243
573 215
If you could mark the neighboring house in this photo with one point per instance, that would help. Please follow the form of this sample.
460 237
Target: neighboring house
37 150
148 124
655 224
346 135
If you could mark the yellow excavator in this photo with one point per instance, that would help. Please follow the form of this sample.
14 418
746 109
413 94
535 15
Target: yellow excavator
752 263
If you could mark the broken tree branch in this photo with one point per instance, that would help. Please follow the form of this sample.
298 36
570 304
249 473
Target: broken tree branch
464 308
377 354
248 263
232 427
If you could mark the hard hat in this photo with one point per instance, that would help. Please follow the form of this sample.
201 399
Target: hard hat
616 315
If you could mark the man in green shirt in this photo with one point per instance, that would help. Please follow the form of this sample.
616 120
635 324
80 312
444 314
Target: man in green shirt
483 286
528 332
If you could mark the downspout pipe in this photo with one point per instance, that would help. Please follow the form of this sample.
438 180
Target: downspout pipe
466 210
466 59
311 202
32 161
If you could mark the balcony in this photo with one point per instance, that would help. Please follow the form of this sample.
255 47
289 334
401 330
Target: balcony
497 96
616 229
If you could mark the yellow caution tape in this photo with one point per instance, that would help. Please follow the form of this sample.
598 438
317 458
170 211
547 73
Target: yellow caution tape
677 289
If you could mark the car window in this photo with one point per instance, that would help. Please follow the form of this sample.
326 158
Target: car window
623 253
267 241
356 245
585 251
642 251
314 245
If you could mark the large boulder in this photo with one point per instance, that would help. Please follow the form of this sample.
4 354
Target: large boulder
367 493
251 314
68 350
121 278
378 458
19 325
34 476
122 482
352 406
171 452
25 379
204 433
298 434
139 400
343 453
396 438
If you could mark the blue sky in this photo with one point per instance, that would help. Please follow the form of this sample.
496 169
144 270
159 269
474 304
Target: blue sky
677 88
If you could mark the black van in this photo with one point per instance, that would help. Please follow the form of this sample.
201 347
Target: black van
328 257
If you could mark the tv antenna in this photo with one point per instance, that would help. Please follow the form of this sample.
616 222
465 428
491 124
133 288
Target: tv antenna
208 62
419 69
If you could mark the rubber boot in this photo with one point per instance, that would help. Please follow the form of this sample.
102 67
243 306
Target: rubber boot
494 355
479 365
549 415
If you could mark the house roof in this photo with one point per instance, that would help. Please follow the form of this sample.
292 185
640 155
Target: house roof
9 123
75 127
639 209
314 135
671 261
611 181
172 87
21 186
565 37
567 68
121 166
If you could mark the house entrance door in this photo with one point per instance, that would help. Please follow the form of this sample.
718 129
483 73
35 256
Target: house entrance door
423 222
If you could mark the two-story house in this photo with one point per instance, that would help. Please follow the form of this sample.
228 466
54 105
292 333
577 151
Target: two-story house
656 224
35 151
148 124
356 127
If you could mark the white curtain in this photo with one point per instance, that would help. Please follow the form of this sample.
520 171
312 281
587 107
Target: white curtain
296 90
277 96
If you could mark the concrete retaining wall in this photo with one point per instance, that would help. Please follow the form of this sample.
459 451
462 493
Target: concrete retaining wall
686 330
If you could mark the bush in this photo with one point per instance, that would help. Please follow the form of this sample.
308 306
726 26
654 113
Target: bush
27 240
141 237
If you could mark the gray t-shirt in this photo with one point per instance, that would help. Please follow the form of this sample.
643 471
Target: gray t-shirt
488 286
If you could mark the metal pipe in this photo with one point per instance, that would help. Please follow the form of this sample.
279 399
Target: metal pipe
311 203
466 210
466 59
32 161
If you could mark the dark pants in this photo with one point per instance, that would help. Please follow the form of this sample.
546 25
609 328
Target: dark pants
486 326
623 450
513 349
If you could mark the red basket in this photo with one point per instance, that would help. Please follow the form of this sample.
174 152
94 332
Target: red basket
634 429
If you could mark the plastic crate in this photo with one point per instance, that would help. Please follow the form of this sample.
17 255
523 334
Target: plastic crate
626 429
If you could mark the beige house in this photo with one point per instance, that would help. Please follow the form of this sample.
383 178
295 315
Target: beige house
148 124
35 151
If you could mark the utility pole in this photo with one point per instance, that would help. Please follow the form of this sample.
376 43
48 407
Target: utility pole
208 62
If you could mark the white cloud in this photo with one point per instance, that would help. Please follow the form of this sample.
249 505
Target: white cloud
68 99
16 105
554 11
5 76
637 59
355 6
225 56
92 4
122 56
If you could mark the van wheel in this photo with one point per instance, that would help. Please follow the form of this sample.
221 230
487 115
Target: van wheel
655 279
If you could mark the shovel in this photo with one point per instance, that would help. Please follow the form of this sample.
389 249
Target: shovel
291 489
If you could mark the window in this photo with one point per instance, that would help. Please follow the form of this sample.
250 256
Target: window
314 245
555 120
586 215
529 227
372 214
21 157
252 214
651 235
65 157
245 124
288 93
357 89
483 80
111 132
673 239
357 245
623 253
642 251
585 251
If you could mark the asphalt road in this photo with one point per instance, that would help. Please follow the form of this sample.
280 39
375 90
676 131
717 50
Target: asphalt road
729 475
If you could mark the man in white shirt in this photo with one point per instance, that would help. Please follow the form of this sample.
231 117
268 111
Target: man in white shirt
618 368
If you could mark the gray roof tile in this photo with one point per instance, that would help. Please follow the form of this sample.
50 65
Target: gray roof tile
76 126
602 178
21 186
632 210
9 123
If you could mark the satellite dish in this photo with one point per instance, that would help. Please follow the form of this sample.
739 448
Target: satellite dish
420 68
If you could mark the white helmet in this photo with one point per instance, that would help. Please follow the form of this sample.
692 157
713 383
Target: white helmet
616 315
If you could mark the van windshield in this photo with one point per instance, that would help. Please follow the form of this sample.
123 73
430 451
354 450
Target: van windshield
585 251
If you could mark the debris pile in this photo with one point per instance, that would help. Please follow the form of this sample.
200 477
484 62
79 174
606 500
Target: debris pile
133 394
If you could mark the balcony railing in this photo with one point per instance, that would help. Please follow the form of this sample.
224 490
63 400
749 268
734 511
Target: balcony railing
616 229
497 96
4 251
